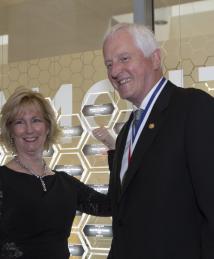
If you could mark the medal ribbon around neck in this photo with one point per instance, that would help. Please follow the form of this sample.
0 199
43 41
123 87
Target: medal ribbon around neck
143 114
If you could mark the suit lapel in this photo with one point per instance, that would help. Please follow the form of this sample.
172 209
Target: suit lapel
118 156
151 128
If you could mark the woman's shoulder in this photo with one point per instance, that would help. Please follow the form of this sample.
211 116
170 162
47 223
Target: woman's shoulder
70 180
4 168
65 176
5 173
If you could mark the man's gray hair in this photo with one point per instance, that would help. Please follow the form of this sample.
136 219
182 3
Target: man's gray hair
143 36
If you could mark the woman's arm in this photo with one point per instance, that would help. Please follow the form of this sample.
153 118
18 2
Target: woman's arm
93 202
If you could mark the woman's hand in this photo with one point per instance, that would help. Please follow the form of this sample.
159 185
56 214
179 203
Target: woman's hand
103 135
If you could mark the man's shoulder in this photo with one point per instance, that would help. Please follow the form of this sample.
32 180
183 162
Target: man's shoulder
191 98
190 92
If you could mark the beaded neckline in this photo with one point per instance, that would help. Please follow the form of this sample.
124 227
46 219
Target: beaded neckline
46 170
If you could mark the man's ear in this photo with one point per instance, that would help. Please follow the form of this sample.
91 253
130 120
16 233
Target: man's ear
156 59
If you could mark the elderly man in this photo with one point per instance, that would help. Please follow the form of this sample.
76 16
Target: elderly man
162 170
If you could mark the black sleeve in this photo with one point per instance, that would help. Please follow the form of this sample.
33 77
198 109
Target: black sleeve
199 149
110 159
8 250
91 201
1 204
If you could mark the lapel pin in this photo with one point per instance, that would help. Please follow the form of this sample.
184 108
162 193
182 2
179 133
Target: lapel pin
151 125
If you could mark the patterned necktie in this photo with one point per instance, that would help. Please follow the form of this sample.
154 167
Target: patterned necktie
136 122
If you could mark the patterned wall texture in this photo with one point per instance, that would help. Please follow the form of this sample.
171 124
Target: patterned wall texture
195 57
83 99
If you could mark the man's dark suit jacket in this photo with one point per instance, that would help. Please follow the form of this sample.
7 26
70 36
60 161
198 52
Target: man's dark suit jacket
165 207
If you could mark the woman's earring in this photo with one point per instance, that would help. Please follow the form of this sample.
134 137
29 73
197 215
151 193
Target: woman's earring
12 146
12 141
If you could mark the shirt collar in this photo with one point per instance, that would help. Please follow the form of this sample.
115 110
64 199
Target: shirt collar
146 99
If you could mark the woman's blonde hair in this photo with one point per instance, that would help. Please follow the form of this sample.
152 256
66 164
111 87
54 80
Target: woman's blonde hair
21 99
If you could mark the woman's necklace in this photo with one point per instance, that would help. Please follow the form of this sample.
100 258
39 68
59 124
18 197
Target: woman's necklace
30 170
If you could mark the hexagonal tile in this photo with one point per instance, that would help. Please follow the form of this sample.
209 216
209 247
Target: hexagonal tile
77 246
202 86
186 50
98 180
99 104
171 62
65 74
88 71
197 42
209 86
44 63
99 63
187 66
198 57
33 61
97 232
171 46
98 255
44 76
76 56
22 67
5 155
65 60
78 220
88 57
33 82
188 81
23 79
74 134
50 155
100 68
55 68
79 95
44 88
76 66
120 120
208 45
194 74
33 71
77 79
95 153
71 163
14 74
209 61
